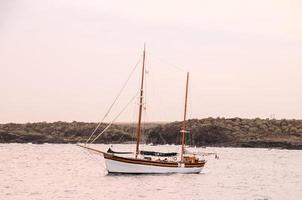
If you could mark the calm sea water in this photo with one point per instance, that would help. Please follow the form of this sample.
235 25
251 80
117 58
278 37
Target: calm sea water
64 171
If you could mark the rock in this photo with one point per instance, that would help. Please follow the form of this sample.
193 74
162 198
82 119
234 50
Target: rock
233 132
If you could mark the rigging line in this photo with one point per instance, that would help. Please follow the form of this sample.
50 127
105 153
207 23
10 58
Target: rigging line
115 100
145 119
189 115
168 63
114 118
191 111
90 155
162 138
133 123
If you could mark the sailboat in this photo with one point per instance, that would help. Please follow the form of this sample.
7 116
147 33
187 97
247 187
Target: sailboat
151 162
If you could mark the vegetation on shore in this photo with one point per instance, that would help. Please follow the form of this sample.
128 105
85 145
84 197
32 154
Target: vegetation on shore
232 132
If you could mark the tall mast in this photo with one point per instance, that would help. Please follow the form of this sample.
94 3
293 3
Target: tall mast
183 129
138 130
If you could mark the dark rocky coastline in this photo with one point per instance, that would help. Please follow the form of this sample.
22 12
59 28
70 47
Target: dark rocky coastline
232 132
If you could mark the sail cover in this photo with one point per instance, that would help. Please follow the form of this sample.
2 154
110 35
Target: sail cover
117 152
145 153
154 153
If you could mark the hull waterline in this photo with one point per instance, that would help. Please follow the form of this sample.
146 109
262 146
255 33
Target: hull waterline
116 164
123 165
113 166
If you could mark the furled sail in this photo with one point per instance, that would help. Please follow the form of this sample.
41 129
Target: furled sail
117 152
154 153
145 153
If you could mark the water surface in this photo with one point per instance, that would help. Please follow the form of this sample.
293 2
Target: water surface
64 171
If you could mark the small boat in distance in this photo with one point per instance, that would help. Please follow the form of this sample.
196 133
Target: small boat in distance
151 162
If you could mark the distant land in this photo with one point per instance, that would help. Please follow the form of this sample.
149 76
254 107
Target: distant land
218 132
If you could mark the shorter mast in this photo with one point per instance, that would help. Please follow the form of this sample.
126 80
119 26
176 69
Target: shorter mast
138 131
183 129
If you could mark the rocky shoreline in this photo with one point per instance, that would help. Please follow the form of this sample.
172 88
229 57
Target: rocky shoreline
219 132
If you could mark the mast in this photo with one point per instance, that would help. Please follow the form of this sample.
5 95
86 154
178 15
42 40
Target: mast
138 130
183 129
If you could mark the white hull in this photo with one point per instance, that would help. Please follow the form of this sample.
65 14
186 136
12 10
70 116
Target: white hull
114 166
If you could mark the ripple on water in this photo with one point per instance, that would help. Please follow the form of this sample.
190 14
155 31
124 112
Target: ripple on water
63 172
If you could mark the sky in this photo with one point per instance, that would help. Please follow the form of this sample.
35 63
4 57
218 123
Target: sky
66 60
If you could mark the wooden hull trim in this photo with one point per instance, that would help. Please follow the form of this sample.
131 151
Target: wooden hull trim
120 167
149 162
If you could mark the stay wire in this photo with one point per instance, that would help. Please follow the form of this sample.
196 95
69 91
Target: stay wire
168 63
114 119
115 100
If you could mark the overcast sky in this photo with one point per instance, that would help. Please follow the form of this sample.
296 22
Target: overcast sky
67 59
